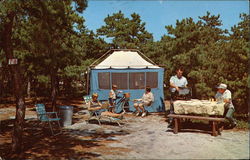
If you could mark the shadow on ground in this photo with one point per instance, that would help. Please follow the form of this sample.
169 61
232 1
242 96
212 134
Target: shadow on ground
40 144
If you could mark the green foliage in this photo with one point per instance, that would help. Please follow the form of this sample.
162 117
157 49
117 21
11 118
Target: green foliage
47 37
125 32
43 79
209 55
50 38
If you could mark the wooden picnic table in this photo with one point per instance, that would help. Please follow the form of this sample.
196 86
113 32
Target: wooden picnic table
199 110
216 127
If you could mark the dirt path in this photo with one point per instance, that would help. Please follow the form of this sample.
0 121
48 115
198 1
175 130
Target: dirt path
140 138
149 140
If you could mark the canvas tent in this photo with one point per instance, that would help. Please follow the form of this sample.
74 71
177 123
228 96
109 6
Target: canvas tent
131 73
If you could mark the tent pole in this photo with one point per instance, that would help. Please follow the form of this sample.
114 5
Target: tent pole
87 89
146 57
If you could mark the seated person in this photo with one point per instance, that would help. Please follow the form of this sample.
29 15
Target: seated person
224 95
146 100
100 109
113 96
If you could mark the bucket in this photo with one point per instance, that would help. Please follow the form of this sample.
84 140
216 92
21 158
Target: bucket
66 113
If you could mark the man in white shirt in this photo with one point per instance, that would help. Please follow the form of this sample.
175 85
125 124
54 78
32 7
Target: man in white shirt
176 82
146 100
224 95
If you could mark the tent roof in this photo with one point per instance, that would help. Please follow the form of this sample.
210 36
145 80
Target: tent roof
125 59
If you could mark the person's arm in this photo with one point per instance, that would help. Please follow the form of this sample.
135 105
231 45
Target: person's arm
227 97
92 108
227 100
152 97
99 103
110 94
172 85
185 83
218 97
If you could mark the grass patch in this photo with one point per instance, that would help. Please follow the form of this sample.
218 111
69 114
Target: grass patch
242 124
242 120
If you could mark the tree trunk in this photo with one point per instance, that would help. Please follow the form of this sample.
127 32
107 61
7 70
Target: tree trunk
28 87
53 76
1 84
17 80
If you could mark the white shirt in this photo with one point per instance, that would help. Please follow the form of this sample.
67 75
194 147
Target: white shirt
148 98
179 82
226 95
112 94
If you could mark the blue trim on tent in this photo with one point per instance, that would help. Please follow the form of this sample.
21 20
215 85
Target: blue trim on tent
157 106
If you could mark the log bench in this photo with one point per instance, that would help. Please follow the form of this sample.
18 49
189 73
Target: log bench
215 121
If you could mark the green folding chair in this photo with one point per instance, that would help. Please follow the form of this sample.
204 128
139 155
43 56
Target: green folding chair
46 117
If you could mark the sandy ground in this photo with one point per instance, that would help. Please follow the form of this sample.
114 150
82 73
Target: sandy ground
149 138
139 138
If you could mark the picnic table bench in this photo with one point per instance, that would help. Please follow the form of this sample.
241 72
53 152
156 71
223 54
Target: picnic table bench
216 128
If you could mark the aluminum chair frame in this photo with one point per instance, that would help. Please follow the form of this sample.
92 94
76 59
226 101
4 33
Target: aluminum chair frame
45 117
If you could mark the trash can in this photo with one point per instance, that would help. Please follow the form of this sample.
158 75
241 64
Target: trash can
66 113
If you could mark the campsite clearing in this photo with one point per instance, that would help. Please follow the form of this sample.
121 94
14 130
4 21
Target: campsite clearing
140 138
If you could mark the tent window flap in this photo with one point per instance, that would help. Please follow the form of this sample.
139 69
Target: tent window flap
104 80
120 79
137 80
152 79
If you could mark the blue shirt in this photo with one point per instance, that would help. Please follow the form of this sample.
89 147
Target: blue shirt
179 82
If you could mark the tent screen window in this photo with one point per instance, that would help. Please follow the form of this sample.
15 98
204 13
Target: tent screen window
120 79
104 80
152 79
137 80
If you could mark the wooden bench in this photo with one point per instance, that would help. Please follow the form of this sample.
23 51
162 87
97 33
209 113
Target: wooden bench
216 129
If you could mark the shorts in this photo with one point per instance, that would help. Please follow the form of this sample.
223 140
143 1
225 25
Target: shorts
147 103
144 103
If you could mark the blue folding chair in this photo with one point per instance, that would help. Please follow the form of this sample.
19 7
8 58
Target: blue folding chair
46 117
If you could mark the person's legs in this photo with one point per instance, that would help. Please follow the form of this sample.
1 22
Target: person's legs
141 106
115 115
111 102
171 110
229 116
172 102
136 105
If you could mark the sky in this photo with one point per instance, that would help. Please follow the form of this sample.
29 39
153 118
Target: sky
159 13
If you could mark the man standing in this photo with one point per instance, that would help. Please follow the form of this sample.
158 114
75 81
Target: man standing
224 95
176 82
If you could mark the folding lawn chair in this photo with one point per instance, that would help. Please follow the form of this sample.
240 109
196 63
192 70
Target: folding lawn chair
46 117
123 103
94 115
